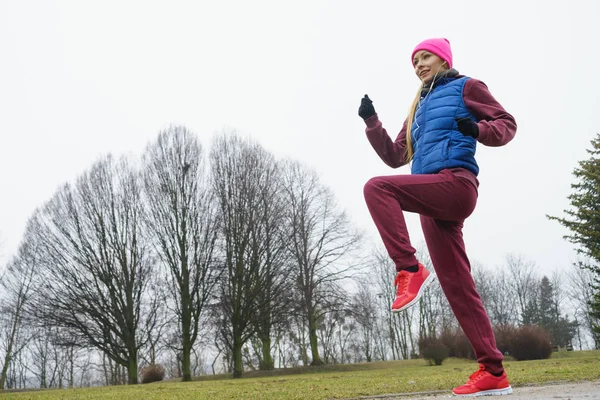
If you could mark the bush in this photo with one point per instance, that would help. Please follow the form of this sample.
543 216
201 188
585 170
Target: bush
152 373
530 342
504 336
458 344
433 350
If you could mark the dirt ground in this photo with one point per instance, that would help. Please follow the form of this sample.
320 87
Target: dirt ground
575 391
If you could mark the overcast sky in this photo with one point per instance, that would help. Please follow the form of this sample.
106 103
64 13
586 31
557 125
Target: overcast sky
80 79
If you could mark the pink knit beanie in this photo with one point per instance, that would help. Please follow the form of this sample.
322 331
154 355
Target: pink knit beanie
438 46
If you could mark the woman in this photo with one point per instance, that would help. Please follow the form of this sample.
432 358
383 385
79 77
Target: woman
449 116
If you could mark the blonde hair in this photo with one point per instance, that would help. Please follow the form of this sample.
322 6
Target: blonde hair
409 123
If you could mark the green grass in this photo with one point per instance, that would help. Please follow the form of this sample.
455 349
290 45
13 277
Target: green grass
339 381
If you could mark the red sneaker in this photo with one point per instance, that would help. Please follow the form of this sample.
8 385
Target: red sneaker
410 287
482 383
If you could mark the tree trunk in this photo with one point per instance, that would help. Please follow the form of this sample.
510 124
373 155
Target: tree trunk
186 345
5 367
71 367
302 345
238 366
304 355
132 369
185 362
312 337
8 356
267 362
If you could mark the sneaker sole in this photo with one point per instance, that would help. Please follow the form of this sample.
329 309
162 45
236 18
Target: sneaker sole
493 392
426 283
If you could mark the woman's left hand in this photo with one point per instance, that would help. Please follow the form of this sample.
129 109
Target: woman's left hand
468 127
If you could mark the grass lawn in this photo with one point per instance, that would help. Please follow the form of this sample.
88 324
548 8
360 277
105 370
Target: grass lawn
338 381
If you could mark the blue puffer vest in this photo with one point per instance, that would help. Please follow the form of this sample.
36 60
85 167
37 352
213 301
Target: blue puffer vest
437 143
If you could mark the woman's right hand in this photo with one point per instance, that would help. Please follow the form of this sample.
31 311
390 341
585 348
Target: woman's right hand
366 109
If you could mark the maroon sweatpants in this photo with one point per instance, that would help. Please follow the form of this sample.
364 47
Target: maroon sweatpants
444 201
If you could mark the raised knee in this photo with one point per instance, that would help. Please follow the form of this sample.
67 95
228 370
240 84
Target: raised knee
372 186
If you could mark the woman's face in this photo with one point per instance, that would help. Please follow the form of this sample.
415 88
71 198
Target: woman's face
427 65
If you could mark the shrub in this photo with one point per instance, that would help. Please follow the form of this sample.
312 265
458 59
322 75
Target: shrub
504 336
530 342
152 373
457 343
433 350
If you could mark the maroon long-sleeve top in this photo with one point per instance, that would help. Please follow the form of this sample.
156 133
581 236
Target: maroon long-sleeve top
496 128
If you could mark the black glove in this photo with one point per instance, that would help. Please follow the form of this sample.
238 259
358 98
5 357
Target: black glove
366 108
467 127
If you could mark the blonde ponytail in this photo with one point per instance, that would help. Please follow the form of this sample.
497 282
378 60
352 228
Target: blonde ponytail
409 123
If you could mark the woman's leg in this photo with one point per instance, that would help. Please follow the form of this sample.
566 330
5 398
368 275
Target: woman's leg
447 251
443 196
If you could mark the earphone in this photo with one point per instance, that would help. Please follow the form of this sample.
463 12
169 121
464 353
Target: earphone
427 94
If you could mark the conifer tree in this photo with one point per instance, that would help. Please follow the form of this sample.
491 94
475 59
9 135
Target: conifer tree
583 222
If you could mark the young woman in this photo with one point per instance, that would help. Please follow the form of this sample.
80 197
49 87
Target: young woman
449 116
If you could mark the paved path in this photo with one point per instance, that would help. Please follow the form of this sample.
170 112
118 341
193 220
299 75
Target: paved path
567 391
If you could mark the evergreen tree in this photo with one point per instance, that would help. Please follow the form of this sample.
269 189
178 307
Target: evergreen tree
543 310
531 313
583 220
561 329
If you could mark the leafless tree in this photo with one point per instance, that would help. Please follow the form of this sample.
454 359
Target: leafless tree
498 294
182 220
398 327
344 334
321 242
16 377
270 254
524 281
113 372
298 334
329 325
162 331
365 314
244 178
580 292
286 352
431 316
51 358
435 315
18 286
96 265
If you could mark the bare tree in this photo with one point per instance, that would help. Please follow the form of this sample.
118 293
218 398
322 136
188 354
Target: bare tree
322 236
16 376
523 279
270 255
431 316
183 223
96 265
398 327
364 310
580 292
286 352
163 327
435 315
344 334
18 285
298 334
331 325
49 358
495 287
243 174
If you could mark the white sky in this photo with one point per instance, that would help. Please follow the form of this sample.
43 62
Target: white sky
79 79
